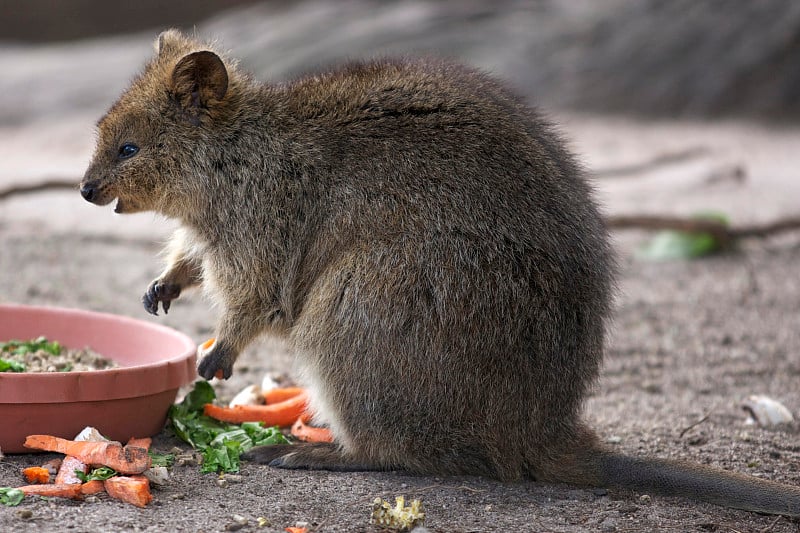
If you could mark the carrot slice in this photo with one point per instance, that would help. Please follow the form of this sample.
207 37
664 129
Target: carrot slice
36 474
131 489
307 433
278 414
93 487
141 442
66 474
297 529
208 344
281 394
126 460
55 491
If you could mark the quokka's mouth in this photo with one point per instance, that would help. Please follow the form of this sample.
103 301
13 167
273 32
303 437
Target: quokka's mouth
118 207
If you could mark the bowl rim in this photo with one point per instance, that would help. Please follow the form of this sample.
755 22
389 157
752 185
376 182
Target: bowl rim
84 385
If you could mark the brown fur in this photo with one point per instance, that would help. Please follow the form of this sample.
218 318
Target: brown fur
418 234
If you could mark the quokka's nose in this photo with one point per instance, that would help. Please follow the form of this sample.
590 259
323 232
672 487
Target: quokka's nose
89 191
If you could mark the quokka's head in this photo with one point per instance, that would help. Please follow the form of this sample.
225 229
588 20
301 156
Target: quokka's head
151 141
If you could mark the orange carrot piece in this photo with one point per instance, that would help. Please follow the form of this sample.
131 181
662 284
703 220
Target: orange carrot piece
281 394
126 460
131 489
297 529
141 442
66 474
278 414
208 344
93 487
55 491
307 433
36 474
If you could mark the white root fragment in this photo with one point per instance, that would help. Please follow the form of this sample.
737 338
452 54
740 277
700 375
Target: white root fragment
250 395
90 434
268 383
765 411
158 475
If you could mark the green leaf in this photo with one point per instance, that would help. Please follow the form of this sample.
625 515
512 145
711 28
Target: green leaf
202 394
161 459
24 347
670 244
11 366
11 497
100 473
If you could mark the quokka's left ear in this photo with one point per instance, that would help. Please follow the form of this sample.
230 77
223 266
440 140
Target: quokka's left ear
199 81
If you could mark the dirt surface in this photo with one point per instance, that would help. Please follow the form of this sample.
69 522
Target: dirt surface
690 342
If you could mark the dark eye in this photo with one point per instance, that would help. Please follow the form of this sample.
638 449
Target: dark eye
127 150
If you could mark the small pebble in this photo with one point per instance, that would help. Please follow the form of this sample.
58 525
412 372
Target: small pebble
233 526
233 478
25 514
239 519
645 498
222 483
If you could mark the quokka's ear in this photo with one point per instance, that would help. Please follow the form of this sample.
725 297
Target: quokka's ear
199 81
168 41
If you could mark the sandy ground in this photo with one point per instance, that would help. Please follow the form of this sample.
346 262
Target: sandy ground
691 340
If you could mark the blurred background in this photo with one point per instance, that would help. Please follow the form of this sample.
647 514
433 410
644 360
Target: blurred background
710 86
676 58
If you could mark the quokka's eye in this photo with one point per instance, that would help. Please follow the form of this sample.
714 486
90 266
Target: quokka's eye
127 150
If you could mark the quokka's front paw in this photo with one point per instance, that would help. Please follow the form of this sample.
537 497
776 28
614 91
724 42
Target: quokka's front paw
218 362
160 291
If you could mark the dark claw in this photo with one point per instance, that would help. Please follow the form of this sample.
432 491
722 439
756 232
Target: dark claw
159 291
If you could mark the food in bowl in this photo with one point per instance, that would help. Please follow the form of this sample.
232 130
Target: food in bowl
43 355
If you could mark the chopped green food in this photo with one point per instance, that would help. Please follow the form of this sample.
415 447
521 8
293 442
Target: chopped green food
100 473
11 366
23 347
42 355
11 497
220 443
671 244
161 459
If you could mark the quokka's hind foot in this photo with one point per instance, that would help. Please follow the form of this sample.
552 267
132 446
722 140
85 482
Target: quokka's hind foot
308 456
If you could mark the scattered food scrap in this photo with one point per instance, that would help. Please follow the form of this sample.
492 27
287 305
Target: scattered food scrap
220 443
76 477
36 474
400 517
123 459
282 414
765 411
131 489
306 433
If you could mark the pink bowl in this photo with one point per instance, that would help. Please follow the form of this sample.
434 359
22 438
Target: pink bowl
129 401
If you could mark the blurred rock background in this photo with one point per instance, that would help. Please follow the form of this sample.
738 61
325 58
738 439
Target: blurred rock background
676 58
711 87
